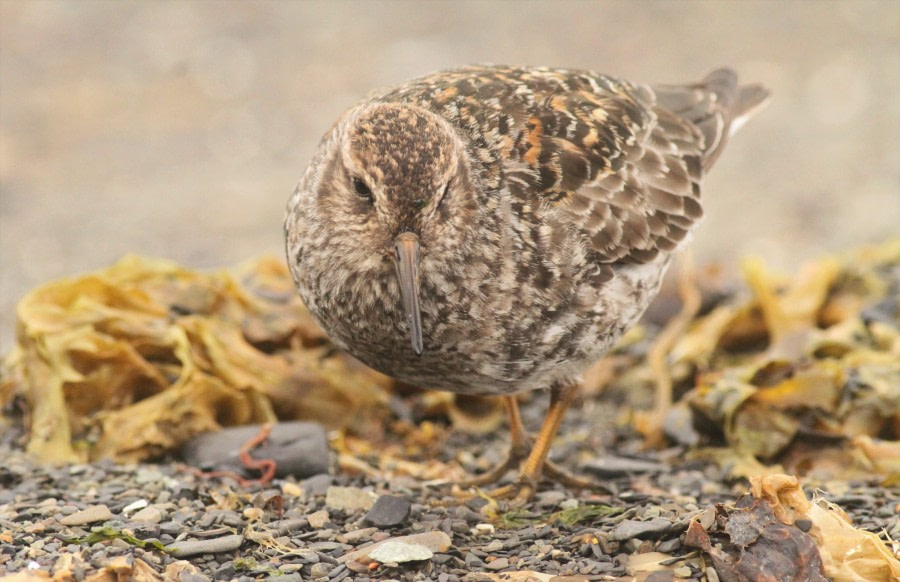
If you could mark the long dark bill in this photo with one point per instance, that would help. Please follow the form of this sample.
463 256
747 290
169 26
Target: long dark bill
406 258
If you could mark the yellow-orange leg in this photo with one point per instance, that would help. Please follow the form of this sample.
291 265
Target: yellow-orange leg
536 462
518 448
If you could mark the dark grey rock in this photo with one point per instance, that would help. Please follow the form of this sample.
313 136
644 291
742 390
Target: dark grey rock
317 484
389 511
184 548
473 561
631 528
669 546
298 448
619 466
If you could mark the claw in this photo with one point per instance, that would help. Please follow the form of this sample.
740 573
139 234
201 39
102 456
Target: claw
535 463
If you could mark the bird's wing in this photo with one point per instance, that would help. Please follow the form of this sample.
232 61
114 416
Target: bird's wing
622 164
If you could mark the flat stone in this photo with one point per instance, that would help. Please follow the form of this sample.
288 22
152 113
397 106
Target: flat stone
135 506
619 466
148 514
399 552
349 498
435 541
318 519
669 546
632 528
498 564
91 514
316 485
185 548
358 534
298 448
389 511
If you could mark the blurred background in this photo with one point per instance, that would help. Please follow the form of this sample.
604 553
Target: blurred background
179 129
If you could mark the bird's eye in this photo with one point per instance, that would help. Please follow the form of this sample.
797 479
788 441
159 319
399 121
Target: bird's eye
362 189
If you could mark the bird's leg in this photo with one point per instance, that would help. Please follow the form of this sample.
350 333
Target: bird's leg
535 463
524 487
518 448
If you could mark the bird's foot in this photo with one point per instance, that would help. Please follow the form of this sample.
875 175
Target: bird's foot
517 453
517 493
524 487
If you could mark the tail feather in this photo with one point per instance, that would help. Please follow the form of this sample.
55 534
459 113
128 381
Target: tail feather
717 106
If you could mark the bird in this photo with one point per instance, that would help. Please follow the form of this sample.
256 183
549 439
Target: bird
495 229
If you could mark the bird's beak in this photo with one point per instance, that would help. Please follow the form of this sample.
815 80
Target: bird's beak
406 259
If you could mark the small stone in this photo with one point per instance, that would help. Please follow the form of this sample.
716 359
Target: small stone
148 515
620 466
436 541
320 570
494 546
135 506
498 564
483 529
669 546
711 574
398 552
631 528
358 534
184 548
473 561
318 519
804 524
683 572
569 504
389 511
298 448
146 475
316 485
292 489
349 498
91 514
550 498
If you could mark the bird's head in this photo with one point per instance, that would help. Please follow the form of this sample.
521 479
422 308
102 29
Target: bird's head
395 187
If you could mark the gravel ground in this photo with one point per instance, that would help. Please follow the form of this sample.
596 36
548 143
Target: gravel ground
326 527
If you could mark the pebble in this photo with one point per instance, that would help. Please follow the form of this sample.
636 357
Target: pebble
483 529
135 506
610 466
299 449
184 548
435 541
91 514
632 528
148 514
320 570
498 564
683 572
318 519
349 498
669 546
392 551
316 485
389 511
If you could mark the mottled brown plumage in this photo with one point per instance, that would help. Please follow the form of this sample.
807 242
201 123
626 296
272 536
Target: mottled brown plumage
493 230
